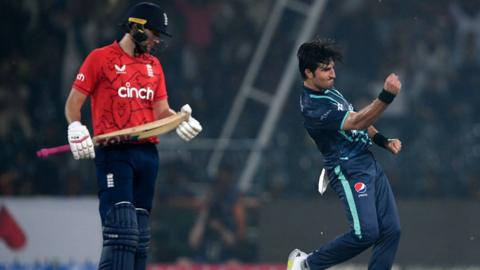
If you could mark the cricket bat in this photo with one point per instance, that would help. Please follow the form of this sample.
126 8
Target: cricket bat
126 135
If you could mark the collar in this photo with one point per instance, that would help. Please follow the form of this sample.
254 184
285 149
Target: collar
142 58
313 92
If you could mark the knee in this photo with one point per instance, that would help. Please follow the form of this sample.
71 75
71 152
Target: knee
143 218
394 231
120 237
120 227
368 236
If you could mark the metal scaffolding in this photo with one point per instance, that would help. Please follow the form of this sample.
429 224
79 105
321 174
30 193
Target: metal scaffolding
312 12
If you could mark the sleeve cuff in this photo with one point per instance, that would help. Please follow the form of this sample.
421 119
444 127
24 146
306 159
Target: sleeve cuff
343 121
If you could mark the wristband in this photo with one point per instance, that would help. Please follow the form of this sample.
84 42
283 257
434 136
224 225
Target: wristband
75 124
380 140
386 96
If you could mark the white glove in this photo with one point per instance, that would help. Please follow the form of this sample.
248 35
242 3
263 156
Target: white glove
187 130
80 141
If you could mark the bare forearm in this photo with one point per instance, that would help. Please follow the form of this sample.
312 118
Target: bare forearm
73 106
365 117
368 115
164 113
240 219
196 234
72 114
161 109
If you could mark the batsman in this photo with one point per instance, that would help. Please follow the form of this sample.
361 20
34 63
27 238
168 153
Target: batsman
126 86
344 136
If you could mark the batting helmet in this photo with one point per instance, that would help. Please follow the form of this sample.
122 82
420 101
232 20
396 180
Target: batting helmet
150 16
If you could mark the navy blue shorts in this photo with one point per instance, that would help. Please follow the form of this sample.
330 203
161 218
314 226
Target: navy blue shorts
126 173
372 213
366 193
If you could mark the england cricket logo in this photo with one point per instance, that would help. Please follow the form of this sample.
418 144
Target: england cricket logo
110 183
149 70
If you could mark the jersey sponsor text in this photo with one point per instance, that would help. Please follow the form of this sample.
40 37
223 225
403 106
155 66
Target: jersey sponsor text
132 92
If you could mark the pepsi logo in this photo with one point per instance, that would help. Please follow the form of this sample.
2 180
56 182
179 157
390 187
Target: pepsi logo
360 187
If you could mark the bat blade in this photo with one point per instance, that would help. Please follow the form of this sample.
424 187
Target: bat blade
141 132
128 135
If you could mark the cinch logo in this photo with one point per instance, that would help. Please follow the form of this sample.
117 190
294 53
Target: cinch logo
132 92
360 187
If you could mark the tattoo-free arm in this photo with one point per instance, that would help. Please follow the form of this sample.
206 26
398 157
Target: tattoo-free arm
73 105
365 117
368 115
161 109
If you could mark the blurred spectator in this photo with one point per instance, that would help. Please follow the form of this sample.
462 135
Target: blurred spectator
220 226
198 16
466 17
434 46
176 190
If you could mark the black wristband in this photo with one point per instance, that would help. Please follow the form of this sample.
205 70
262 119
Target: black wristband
380 140
386 96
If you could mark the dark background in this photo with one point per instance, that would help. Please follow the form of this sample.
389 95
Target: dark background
434 46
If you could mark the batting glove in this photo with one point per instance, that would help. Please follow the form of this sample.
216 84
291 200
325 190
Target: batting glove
80 141
189 129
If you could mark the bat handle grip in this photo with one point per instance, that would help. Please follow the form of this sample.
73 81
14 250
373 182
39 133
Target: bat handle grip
45 152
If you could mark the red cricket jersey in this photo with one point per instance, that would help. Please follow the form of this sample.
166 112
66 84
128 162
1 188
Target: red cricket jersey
122 88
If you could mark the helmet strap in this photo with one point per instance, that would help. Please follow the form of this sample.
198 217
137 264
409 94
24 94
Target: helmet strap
137 31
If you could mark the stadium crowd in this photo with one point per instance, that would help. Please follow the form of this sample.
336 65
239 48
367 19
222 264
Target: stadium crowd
434 46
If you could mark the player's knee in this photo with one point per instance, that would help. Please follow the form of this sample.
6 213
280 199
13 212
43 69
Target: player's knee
394 231
143 218
121 227
369 235
120 237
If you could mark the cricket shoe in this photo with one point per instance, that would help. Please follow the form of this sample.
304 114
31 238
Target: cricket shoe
296 259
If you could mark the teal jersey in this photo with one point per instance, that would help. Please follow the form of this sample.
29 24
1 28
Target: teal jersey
324 114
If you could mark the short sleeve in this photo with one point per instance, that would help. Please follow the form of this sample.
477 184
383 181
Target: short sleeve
325 115
89 73
161 93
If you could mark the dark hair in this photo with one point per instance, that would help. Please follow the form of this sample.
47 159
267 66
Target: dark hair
318 51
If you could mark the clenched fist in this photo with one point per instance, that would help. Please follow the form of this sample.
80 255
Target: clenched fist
189 129
80 141
394 145
392 84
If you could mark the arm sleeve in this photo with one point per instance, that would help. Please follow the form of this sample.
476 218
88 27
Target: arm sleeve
161 92
325 116
89 73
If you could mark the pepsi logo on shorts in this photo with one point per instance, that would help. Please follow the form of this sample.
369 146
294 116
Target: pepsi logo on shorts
360 187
